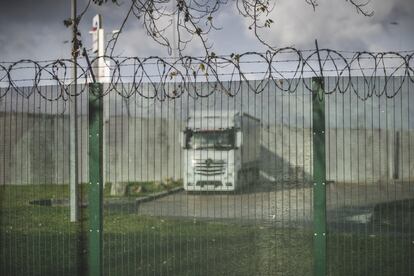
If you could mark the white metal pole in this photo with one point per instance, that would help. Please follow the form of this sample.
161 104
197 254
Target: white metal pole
73 128
103 77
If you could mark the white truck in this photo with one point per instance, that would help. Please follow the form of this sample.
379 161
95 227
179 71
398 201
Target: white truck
220 150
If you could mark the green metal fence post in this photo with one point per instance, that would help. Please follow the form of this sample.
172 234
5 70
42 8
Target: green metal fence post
319 176
95 194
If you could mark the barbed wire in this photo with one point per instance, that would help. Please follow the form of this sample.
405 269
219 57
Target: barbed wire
286 68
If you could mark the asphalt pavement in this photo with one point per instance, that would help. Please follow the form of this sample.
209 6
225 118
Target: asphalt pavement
279 204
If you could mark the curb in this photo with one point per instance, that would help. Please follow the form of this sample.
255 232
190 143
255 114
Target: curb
65 202
158 195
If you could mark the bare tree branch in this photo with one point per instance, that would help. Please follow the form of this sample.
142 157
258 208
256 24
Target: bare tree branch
195 20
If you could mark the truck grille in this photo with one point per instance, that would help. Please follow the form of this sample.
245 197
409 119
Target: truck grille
209 167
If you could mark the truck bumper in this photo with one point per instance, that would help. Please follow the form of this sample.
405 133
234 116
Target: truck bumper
210 185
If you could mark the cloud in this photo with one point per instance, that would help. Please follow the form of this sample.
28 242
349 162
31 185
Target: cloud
336 24
34 41
34 29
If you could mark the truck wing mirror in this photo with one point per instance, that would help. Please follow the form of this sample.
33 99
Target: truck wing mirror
239 139
183 135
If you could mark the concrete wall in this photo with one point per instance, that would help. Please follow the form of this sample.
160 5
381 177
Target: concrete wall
352 155
360 155
140 149
35 149
286 154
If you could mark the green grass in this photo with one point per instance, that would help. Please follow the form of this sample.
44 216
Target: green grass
359 254
38 240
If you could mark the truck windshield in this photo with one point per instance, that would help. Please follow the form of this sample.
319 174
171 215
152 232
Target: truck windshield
219 140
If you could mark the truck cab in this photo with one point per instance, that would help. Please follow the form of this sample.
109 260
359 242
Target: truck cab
219 150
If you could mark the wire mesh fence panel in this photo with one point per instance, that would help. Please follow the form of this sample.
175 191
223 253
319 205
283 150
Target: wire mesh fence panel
209 182
213 185
369 191
37 237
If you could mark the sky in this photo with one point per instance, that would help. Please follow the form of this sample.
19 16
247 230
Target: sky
34 29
